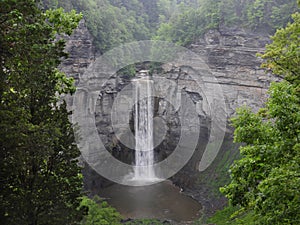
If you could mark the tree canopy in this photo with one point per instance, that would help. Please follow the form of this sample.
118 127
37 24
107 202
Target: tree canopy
255 15
40 178
114 22
111 22
99 212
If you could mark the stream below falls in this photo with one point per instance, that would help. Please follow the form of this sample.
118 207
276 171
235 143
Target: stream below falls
161 201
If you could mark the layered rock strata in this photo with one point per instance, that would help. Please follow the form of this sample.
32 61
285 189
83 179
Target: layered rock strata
230 56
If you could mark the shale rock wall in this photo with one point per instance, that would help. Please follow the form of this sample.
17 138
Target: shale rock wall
230 56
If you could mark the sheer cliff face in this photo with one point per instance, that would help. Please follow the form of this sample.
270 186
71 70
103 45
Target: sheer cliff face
230 56
81 52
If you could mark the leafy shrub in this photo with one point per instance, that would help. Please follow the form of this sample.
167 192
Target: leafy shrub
99 212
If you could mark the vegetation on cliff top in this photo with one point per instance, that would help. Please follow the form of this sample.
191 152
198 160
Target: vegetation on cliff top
254 15
114 22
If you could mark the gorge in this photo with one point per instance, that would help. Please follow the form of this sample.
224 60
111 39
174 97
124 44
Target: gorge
149 112
231 56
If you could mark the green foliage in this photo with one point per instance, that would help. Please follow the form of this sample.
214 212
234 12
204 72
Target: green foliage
283 54
145 222
256 12
127 71
270 157
227 216
40 178
186 27
258 15
112 26
99 212
114 22
111 22
217 174
62 22
266 180
269 15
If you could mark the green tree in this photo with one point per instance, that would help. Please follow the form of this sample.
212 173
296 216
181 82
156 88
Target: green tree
112 26
267 178
187 24
39 175
111 22
269 15
283 54
99 212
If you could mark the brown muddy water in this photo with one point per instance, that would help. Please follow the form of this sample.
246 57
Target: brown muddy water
158 201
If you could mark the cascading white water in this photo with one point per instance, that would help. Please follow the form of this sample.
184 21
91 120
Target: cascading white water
143 123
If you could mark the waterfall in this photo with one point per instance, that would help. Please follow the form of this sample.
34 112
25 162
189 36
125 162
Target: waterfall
143 124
